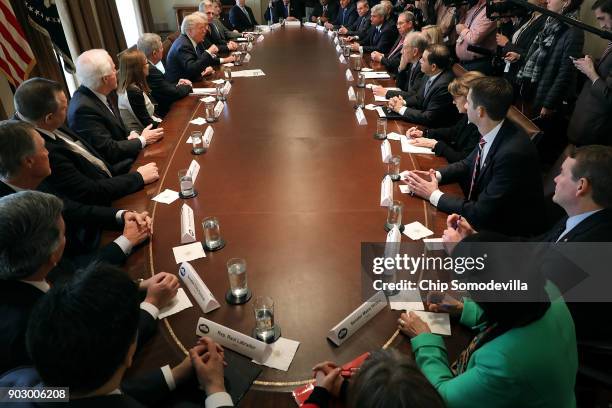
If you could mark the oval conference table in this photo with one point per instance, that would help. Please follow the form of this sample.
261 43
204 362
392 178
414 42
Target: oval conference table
295 183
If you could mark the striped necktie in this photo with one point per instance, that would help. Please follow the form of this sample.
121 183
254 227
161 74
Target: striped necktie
476 169
400 43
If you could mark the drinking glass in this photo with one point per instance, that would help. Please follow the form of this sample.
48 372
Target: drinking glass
210 111
212 232
381 128
237 274
393 168
394 214
264 317
197 142
186 182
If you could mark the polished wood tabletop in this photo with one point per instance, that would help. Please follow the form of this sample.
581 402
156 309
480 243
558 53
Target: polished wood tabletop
295 183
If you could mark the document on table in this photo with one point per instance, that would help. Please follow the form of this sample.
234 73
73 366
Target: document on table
380 98
394 136
208 99
178 304
404 188
416 230
166 197
203 91
408 147
248 73
280 354
439 323
189 252
198 121
406 300
376 75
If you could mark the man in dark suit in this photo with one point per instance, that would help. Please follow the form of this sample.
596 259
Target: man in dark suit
289 10
360 27
591 121
24 164
432 105
409 77
78 171
94 115
345 17
185 59
382 34
32 241
241 17
164 92
391 60
500 178
324 11
69 342
215 35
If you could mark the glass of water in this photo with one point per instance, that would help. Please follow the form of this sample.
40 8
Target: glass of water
209 108
220 93
212 234
236 272
361 80
186 183
196 141
238 60
381 129
360 97
227 73
264 318
356 62
393 167
394 214
346 51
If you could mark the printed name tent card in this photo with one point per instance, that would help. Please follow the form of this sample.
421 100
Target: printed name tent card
385 150
200 292
381 112
232 339
349 75
351 94
219 108
338 49
208 135
386 191
187 225
194 169
360 316
361 119
342 60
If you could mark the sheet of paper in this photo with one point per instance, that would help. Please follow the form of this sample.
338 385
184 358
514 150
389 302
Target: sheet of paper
404 188
370 86
194 169
394 136
310 24
392 88
198 121
280 354
290 23
366 69
381 112
370 106
228 64
179 303
408 147
404 175
416 230
245 73
208 99
189 252
434 244
376 75
218 81
439 323
203 91
380 98
406 300
166 197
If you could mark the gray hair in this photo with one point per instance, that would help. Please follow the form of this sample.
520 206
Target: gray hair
92 66
29 233
203 4
364 1
408 15
149 43
191 20
16 143
379 10
417 40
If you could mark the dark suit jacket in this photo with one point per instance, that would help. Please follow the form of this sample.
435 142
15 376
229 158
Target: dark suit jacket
391 61
507 196
215 36
332 10
350 16
239 20
409 81
380 42
279 10
435 109
360 27
164 92
591 122
77 178
456 142
184 62
92 120
18 299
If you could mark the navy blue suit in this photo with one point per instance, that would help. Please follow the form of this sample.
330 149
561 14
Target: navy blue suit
346 16
184 61
380 40
240 21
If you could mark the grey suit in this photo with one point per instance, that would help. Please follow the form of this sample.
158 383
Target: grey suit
226 34
591 122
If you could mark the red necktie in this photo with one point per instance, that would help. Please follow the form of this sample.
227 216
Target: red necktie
476 170
400 43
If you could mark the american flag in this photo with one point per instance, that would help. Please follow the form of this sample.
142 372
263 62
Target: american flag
16 57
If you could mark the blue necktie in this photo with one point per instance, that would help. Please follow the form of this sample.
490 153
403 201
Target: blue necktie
427 85
286 11
343 15
376 35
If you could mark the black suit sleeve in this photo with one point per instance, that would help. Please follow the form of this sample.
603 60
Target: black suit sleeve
148 388
191 64
147 326
139 107
90 125
164 92
74 184
385 41
391 64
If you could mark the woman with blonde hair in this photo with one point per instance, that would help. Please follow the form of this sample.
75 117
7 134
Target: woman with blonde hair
433 33
135 105
456 142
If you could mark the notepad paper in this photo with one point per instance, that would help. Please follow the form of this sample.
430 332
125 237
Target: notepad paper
439 323
166 197
198 121
404 188
376 75
406 300
279 354
189 252
179 303
408 147
394 136
416 230
203 91
245 73
380 98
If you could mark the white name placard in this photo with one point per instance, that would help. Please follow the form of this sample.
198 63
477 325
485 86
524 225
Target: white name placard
381 112
232 339
310 24
194 169
330 33
202 295
351 94
434 244
275 26
392 246
386 191
361 119
343 61
208 135
385 150
219 108
338 49
226 88
187 225
321 28
348 74
360 316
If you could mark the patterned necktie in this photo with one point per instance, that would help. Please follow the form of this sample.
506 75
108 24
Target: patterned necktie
460 365
112 107
427 86
476 169
398 47
363 20
324 14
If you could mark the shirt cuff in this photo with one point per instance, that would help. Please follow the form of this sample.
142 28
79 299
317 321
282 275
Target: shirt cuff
119 216
438 176
218 399
402 110
150 309
355 37
125 244
595 80
435 197
167 372
361 49
143 141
